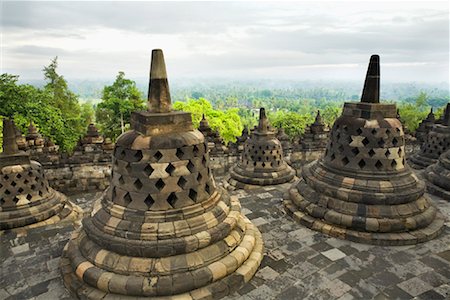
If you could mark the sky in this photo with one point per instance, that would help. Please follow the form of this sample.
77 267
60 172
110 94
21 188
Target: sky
236 40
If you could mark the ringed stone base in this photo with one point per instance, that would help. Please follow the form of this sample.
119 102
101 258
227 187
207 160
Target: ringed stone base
294 200
232 184
204 272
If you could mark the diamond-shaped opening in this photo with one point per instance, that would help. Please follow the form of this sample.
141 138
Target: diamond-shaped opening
388 132
114 194
128 168
121 180
387 153
371 153
263 164
127 198
2 201
6 177
400 151
170 168
148 170
362 163
345 161
138 184
195 150
33 187
199 177
338 136
20 190
26 181
40 193
29 197
381 143
122 154
13 183
149 201
193 194
393 163
15 200
345 128
378 165
30 173
207 188
179 153
18 176
160 184
341 148
355 151
374 131
172 199
333 157
138 155
394 141
182 182
365 141
158 155
204 161
191 167
359 131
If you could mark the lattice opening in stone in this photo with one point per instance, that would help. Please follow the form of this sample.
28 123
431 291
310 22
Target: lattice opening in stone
128 168
263 164
13 183
371 153
365 141
387 153
149 201
362 163
195 150
374 131
121 180
138 155
29 197
158 155
191 167
33 187
182 182
193 194
179 153
160 184
332 157
378 165
6 177
20 190
394 141
207 188
381 142
204 161
355 151
341 148
138 184
170 168
18 176
172 199
15 200
400 151
40 193
127 199
148 170
359 131
393 163
199 177
345 161
26 181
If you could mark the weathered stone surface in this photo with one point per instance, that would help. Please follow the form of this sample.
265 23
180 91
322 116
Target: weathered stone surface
438 177
362 187
163 227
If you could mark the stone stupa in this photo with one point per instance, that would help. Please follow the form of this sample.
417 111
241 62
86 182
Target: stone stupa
362 190
262 160
164 229
316 135
26 200
213 137
425 127
436 143
34 139
438 177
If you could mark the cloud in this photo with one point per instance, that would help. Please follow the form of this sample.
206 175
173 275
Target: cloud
202 39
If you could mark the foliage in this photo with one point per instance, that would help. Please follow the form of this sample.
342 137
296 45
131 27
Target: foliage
293 123
227 122
113 113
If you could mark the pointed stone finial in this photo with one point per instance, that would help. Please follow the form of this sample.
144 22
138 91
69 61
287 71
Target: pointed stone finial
318 120
263 124
203 117
371 91
9 137
158 90
431 116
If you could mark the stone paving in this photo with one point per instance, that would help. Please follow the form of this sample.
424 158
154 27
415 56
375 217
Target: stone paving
299 263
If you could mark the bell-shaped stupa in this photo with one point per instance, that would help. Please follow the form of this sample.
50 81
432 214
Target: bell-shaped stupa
164 229
436 143
26 200
425 127
362 190
438 177
316 135
262 161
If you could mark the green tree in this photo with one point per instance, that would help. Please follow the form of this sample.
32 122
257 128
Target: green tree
118 101
293 123
227 122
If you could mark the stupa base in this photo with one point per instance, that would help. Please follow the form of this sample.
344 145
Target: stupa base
90 272
420 162
373 238
235 180
69 213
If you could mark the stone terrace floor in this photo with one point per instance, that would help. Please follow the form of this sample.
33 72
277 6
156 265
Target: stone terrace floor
299 263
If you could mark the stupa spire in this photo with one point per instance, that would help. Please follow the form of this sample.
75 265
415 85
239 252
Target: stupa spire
371 91
158 90
263 124
9 137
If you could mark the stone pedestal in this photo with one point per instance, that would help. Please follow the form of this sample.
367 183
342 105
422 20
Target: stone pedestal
362 190
164 229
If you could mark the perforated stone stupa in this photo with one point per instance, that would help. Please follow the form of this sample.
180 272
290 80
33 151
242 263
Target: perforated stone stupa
26 200
438 177
362 190
316 135
164 228
425 126
436 143
262 161
212 136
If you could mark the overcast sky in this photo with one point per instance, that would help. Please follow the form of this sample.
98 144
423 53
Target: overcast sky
279 40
